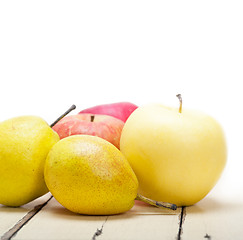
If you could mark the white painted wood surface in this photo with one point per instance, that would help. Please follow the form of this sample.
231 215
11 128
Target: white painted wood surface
55 222
213 218
10 216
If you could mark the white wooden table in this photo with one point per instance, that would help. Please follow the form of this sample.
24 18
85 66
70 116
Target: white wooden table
212 218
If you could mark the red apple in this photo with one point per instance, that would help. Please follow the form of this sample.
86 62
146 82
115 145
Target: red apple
104 126
120 110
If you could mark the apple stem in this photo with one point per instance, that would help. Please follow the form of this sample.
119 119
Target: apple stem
92 118
156 203
180 99
63 115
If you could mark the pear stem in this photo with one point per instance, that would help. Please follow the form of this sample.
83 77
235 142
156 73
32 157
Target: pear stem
156 203
63 115
180 99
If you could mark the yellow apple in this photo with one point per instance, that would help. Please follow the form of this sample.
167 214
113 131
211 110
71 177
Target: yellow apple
177 155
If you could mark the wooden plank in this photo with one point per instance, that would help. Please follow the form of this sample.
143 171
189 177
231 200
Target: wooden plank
143 222
214 219
56 222
10 216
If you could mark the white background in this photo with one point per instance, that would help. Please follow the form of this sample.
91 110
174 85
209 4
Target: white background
57 53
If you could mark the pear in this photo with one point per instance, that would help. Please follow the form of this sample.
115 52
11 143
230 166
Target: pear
88 175
24 144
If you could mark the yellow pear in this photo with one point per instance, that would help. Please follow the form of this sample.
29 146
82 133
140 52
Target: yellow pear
24 144
88 175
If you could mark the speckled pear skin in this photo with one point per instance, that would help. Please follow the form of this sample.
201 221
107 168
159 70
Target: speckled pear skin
24 144
89 175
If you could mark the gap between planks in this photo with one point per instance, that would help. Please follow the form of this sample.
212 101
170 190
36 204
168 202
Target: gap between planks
182 218
14 230
99 231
